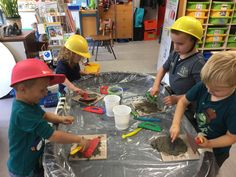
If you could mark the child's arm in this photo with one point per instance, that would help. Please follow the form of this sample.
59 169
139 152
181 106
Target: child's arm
67 138
222 141
156 85
172 99
179 112
72 87
53 118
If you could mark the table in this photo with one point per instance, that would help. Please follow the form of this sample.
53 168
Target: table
126 157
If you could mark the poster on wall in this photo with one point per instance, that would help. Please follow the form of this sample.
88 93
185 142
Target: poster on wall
170 16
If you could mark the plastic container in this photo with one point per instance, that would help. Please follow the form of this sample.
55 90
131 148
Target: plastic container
231 44
150 25
234 20
219 20
222 5
122 116
150 35
110 102
196 14
197 5
232 38
219 13
214 44
92 68
216 30
214 38
115 90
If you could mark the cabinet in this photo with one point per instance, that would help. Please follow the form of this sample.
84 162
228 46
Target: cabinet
122 15
23 46
218 19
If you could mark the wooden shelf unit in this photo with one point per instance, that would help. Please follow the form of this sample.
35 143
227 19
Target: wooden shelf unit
209 17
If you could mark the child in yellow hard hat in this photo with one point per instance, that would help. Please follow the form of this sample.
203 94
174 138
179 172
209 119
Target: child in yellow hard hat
215 99
73 52
185 62
29 122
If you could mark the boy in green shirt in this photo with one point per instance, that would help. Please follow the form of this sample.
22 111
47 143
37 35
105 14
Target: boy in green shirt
29 122
215 98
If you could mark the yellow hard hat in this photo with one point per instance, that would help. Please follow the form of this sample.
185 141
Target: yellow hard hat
78 45
189 25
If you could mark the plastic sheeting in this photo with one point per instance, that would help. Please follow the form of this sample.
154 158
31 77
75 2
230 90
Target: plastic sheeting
129 157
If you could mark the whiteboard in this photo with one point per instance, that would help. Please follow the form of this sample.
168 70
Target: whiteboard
170 16
7 63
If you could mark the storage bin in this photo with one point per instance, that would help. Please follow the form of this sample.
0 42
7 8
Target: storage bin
232 38
234 20
216 30
92 68
199 45
218 20
220 13
222 5
214 38
150 35
232 30
214 44
196 14
231 44
150 24
197 5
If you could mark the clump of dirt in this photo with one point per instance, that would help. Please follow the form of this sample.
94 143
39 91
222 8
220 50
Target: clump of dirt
164 144
147 107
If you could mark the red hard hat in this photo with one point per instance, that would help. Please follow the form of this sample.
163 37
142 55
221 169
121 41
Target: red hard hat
34 68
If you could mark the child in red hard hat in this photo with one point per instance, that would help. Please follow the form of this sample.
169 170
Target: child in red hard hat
29 122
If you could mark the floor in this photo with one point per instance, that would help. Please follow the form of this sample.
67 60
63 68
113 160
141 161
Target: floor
140 56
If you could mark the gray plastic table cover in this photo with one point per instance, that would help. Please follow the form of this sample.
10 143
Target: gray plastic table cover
131 157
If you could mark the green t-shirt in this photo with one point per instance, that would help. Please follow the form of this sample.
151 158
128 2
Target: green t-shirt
214 118
26 134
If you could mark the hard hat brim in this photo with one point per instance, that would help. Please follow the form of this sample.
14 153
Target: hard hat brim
54 78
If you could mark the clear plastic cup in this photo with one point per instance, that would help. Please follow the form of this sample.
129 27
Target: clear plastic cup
110 102
122 116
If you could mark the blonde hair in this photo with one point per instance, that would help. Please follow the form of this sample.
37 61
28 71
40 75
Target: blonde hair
220 69
67 55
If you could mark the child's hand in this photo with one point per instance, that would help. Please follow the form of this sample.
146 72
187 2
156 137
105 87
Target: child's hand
154 90
174 132
170 100
202 141
81 92
67 119
84 143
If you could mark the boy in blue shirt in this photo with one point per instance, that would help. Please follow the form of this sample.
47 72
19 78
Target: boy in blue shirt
185 63
29 122
215 97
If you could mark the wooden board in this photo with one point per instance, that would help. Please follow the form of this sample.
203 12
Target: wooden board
189 155
78 97
102 148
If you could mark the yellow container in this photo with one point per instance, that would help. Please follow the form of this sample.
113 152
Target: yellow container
220 13
196 14
92 68
214 38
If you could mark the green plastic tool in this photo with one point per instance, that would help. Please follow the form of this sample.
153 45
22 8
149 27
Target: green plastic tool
150 126
150 98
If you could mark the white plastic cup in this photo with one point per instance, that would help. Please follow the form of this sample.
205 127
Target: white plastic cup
110 102
122 116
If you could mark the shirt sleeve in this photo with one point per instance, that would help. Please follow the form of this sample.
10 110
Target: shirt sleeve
167 63
196 70
231 120
194 92
60 69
